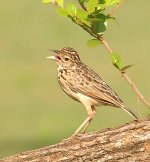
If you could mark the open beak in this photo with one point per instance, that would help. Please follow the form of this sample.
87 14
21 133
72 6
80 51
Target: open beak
56 56
51 57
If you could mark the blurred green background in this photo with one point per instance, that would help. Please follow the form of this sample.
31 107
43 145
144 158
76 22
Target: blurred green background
34 111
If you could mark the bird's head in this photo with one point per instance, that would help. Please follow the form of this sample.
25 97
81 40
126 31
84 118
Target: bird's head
66 57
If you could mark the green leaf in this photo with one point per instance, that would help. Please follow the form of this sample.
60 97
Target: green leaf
98 22
57 2
61 11
91 5
111 18
99 26
48 1
60 2
93 43
125 68
82 16
116 60
71 9
111 2
97 17
102 1
105 3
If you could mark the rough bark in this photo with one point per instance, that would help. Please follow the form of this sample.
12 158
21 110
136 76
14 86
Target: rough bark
128 143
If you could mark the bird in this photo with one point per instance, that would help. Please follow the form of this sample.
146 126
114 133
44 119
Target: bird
84 85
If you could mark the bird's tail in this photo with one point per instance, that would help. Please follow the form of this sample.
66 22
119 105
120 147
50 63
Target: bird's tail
129 112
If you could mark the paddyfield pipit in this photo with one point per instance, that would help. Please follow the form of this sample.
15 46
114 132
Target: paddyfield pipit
83 85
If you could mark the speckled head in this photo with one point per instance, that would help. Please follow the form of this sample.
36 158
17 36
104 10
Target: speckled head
66 57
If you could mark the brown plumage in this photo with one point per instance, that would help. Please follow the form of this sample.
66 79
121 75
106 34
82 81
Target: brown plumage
82 84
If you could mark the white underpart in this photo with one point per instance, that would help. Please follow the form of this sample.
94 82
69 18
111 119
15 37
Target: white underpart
85 100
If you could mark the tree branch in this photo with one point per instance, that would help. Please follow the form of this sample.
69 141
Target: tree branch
128 143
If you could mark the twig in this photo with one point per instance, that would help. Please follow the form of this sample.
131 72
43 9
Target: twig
82 5
103 41
136 90
106 45
117 7
138 105
124 75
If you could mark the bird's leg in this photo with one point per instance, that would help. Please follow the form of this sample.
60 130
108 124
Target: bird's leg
92 116
85 124
82 125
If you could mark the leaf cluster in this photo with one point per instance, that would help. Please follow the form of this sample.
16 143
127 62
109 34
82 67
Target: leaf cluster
92 16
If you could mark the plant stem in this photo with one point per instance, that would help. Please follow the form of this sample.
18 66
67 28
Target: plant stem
136 90
108 48
124 75
82 5
103 41
116 7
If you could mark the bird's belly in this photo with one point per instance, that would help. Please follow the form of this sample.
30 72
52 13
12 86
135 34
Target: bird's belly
87 100
84 99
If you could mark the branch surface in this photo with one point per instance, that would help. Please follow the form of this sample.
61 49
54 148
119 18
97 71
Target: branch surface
128 143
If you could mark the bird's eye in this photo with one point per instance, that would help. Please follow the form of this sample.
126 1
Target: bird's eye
66 59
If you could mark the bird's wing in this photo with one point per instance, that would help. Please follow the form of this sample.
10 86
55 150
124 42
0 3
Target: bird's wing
90 84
